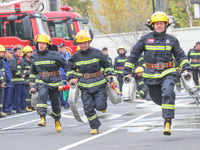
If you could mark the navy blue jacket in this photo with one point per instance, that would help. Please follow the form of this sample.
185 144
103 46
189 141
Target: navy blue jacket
89 61
119 62
194 54
8 74
157 47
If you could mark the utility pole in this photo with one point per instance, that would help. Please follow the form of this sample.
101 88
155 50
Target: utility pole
159 5
153 6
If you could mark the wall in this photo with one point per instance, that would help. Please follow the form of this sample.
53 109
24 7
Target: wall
186 36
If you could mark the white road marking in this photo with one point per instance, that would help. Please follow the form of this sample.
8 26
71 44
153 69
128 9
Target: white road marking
106 132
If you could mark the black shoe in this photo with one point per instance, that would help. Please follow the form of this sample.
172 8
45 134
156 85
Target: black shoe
9 113
66 107
1 116
21 111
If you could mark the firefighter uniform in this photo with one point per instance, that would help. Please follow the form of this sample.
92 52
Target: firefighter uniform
194 58
26 66
142 91
86 65
119 66
159 74
18 84
45 73
2 79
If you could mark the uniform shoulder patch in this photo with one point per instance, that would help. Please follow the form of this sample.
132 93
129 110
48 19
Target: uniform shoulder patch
167 41
150 41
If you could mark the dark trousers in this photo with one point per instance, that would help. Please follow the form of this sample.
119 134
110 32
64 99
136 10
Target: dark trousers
18 97
28 96
7 98
120 79
44 91
195 73
163 94
92 101
1 98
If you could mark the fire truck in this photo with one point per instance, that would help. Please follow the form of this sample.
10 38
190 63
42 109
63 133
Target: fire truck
63 26
22 20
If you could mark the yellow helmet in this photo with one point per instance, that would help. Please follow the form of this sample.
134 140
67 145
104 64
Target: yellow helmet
139 70
159 16
27 49
78 48
120 47
83 36
43 38
2 49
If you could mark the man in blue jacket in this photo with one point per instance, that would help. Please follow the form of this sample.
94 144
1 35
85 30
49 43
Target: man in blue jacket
7 90
66 55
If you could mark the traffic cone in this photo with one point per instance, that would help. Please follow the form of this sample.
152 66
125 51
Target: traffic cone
42 122
58 126
167 125
94 131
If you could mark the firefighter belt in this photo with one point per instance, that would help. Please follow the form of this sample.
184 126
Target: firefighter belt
48 74
160 65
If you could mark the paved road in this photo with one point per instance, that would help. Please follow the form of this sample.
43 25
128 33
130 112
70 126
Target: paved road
126 126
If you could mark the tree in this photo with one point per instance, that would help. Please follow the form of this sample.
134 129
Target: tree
79 6
183 12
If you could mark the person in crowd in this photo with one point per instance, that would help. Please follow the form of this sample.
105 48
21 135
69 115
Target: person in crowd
84 68
18 82
119 65
194 58
64 94
26 62
105 51
7 90
160 73
46 75
2 79
142 89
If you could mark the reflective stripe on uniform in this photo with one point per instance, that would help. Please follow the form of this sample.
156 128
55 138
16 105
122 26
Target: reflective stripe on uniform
140 83
142 92
70 72
17 79
56 114
195 65
28 99
108 69
32 76
79 63
119 72
93 117
51 84
92 84
195 54
162 74
18 67
45 62
129 65
27 67
183 62
168 106
42 105
2 69
17 73
1 105
154 47
121 60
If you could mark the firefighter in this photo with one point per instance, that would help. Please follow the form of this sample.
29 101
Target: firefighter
85 66
194 58
64 94
2 83
142 91
119 65
45 73
160 73
26 66
18 82
105 51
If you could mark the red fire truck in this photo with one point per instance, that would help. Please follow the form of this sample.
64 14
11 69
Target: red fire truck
21 21
63 26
